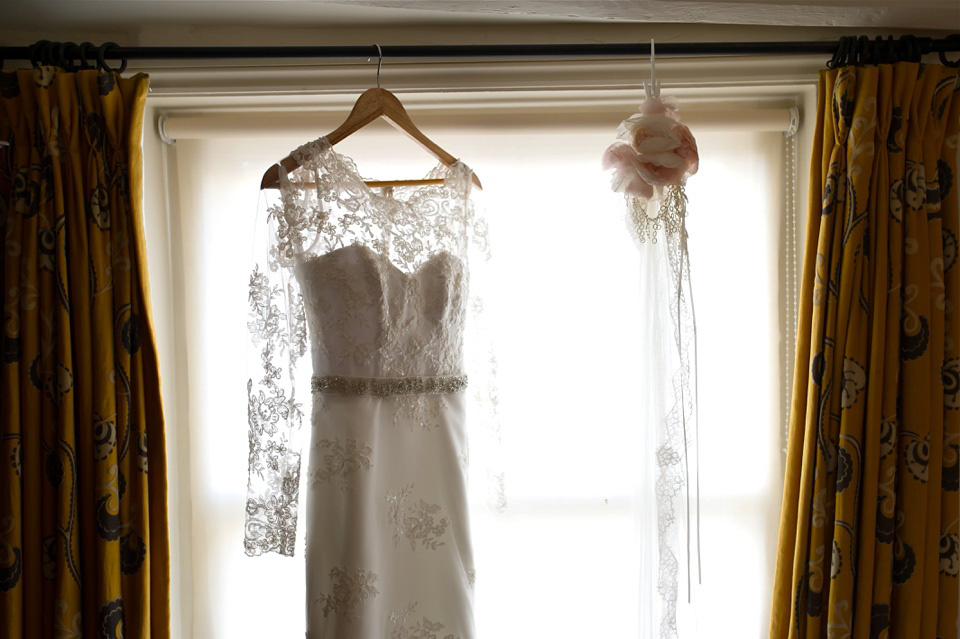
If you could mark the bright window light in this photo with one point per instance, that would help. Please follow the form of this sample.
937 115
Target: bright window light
563 561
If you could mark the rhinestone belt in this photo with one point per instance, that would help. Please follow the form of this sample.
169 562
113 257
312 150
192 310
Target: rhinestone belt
389 386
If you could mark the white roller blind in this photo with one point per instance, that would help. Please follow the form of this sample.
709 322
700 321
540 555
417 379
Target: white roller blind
562 563
259 124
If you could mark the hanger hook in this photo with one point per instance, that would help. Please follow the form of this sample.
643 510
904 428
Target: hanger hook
653 89
379 62
653 67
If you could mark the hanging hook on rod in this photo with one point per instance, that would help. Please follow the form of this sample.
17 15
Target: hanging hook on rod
653 89
379 62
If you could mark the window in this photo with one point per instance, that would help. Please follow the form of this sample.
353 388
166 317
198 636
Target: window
562 562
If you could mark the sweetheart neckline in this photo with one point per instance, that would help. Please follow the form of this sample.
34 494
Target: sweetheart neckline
381 257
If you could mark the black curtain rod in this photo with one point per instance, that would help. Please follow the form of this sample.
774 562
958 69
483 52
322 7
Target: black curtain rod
950 44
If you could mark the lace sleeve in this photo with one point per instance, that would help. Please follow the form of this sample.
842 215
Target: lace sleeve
278 385
489 469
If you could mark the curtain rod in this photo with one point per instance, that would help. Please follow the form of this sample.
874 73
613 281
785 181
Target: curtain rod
613 50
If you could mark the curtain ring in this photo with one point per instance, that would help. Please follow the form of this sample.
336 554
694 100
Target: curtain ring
917 50
101 61
56 54
65 56
873 47
846 51
915 47
889 51
48 53
856 51
60 51
877 48
864 51
36 53
833 61
842 53
955 37
32 54
879 51
86 49
910 48
903 49
73 53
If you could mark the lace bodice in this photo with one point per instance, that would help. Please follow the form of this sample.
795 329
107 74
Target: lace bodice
376 320
374 284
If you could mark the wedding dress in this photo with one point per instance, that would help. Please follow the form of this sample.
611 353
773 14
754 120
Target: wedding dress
376 287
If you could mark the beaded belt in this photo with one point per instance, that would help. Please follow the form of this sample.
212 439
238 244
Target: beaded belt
389 386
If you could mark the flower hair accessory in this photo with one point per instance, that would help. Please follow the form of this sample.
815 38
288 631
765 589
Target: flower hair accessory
651 160
653 150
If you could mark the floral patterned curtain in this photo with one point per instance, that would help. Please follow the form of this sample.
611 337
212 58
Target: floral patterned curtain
83 519
869 526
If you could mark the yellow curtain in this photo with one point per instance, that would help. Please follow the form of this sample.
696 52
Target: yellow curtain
83 504
869 526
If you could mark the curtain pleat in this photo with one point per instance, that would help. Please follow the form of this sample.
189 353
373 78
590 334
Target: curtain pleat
83 512
869 526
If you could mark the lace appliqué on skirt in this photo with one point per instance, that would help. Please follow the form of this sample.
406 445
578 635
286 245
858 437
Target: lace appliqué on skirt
415 521
349 591
422 629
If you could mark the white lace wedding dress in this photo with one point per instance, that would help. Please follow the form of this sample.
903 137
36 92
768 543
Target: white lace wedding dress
375 286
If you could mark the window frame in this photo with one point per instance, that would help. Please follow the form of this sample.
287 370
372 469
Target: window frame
551 102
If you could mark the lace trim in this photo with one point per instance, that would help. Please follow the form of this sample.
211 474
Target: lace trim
645 218
389 386
407 225
677 474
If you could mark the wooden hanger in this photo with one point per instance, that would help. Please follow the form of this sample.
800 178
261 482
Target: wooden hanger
373 103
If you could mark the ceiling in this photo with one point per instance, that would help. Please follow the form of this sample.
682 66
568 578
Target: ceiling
24 19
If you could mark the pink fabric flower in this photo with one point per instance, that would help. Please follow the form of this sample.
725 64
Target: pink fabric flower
687 149
622 159
665 152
